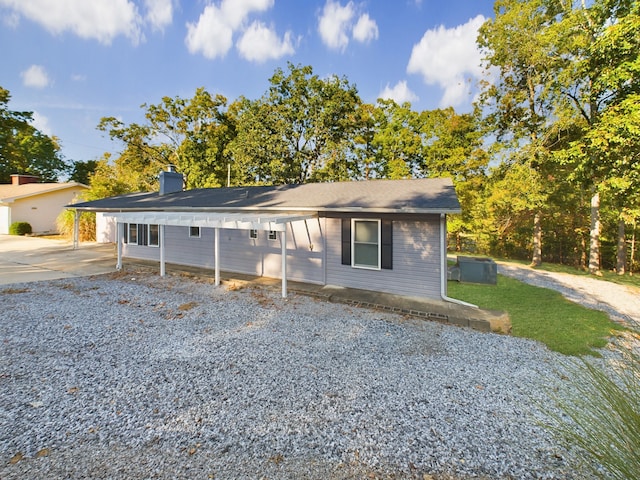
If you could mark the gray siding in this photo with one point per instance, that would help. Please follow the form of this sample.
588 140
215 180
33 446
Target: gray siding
416 260
416 255
239 253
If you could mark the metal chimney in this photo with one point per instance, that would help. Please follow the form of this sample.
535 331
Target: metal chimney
170 181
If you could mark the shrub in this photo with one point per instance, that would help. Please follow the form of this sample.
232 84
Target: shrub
86 225
20 228
603 415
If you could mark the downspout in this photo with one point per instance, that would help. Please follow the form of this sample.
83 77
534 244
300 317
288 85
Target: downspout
443 268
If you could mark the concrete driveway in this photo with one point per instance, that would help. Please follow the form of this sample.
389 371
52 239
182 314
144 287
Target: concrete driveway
30 259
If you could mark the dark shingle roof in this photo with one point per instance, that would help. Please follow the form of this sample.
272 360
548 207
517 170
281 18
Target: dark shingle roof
435 195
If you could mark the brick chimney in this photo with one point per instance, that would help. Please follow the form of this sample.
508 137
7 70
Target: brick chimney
17 179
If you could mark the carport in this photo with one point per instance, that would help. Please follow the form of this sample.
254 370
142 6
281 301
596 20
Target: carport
215 220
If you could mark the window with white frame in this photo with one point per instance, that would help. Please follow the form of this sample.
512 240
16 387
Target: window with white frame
253 233
365 243
154 236
194 232
273 235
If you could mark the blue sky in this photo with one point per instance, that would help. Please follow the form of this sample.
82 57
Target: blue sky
73 62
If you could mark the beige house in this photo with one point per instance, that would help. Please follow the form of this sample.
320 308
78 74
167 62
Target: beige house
39 204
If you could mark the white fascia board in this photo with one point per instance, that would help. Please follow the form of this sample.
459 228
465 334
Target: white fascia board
235 221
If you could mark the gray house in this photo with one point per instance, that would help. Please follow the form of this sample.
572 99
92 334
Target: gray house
379 235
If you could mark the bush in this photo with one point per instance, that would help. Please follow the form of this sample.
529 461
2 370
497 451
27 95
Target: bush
20 228
602 416
86 225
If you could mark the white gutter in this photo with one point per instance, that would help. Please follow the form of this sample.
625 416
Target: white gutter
443 269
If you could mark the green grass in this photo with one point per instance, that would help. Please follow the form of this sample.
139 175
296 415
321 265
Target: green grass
541 314
626 279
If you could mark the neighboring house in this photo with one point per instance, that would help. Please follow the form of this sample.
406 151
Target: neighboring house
380 235
39 204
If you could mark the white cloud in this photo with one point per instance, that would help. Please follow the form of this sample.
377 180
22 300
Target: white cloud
399 93
35 76
78 77
40 122
366 29
335 23
260 43
159 13
448 57
212 34
101 20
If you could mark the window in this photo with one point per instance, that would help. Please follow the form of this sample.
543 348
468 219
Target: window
132 234
141 234
273 235
366 243
253 233
154 237
194 232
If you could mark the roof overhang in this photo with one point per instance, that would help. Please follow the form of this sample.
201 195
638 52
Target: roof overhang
232 220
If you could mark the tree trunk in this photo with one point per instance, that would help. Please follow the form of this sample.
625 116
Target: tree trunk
621 254
536 259
633 248
594 235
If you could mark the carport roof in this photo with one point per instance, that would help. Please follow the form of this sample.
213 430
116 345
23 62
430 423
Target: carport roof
230 220
435 195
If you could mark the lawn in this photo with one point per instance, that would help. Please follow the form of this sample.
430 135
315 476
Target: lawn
541 314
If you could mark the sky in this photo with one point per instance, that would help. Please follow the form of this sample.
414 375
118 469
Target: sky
72 62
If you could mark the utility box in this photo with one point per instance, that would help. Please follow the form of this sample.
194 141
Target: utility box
477 270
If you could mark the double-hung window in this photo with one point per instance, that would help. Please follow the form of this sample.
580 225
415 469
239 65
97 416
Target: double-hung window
154 236
365 243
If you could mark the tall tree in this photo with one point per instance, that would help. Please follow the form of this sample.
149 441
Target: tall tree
516 105
190 133
300 130
596 65
24 149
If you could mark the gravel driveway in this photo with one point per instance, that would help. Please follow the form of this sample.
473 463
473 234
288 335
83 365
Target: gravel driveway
621 302
116 377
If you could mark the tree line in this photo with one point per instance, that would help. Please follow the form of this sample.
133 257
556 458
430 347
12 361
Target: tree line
546 167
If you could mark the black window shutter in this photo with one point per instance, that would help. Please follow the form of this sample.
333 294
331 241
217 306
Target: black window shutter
143 234
386 255
125 238
346 241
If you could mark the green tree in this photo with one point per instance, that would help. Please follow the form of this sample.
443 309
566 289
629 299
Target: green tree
301 130
596 67
24 149
81 171
516 105
190 133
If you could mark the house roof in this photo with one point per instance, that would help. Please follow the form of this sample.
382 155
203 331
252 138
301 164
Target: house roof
435 195
10 193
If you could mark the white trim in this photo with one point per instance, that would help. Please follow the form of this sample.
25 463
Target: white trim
353 242
231 220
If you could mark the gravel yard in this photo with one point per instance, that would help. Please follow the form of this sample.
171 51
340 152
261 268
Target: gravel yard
116 377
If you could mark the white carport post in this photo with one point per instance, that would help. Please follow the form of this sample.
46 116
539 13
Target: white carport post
163 270
216 255
119 239
284 262
76 229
